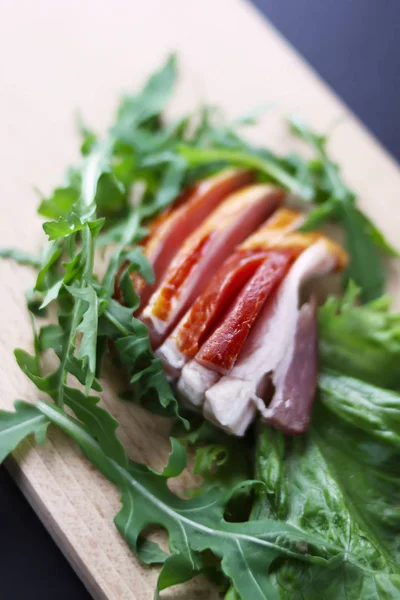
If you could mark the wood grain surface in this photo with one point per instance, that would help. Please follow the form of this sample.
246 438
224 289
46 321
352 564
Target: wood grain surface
58 57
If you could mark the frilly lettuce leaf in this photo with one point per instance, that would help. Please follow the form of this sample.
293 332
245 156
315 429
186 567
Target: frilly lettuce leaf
341 486
361 341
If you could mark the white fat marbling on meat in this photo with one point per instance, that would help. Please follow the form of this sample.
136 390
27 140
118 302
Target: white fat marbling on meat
172 358
230 406
194 381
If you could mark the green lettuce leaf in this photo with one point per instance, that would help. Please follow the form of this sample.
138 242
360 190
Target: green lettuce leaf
361 341
369 408
341 482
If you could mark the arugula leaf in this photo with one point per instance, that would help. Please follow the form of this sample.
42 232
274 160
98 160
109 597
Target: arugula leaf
270 469
231 594
20 257
150 553
361 341
220 459
128 234
362 237
151 100
52 293
16 426
320 214
71 224
60 203
48 264
246 549
365 266
140 263
170 184
131 340
88 329
270 167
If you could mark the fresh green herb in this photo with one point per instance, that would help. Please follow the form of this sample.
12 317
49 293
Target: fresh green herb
265 165
16 426
20 257
245 549
363 238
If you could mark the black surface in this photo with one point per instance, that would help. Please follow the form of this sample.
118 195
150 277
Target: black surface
354 45
31 565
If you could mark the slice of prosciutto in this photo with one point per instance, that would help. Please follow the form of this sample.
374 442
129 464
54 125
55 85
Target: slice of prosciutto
206 312
203 252
171 228
270 352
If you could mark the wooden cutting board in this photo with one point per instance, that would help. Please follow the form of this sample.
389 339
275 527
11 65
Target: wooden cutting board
58 57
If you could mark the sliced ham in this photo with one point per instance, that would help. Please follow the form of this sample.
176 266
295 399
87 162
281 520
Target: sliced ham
184 342
171 228
296 377
220 352
206 312
232 401
203 252
195 378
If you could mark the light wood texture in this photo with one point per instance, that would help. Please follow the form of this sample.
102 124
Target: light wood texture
56 57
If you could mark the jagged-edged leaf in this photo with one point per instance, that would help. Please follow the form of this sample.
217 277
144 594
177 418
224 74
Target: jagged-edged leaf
151 100
65 226
16 426
88 328
247 549
131 340
60 202
361 341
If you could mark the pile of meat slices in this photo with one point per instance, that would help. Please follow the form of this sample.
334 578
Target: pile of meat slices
223 313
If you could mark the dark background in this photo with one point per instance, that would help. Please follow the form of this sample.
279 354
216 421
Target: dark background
355 46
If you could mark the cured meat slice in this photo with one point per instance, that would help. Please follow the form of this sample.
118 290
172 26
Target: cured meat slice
173 226
232 401
203 252
296 377
221 350
194 380
206 312
184 342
